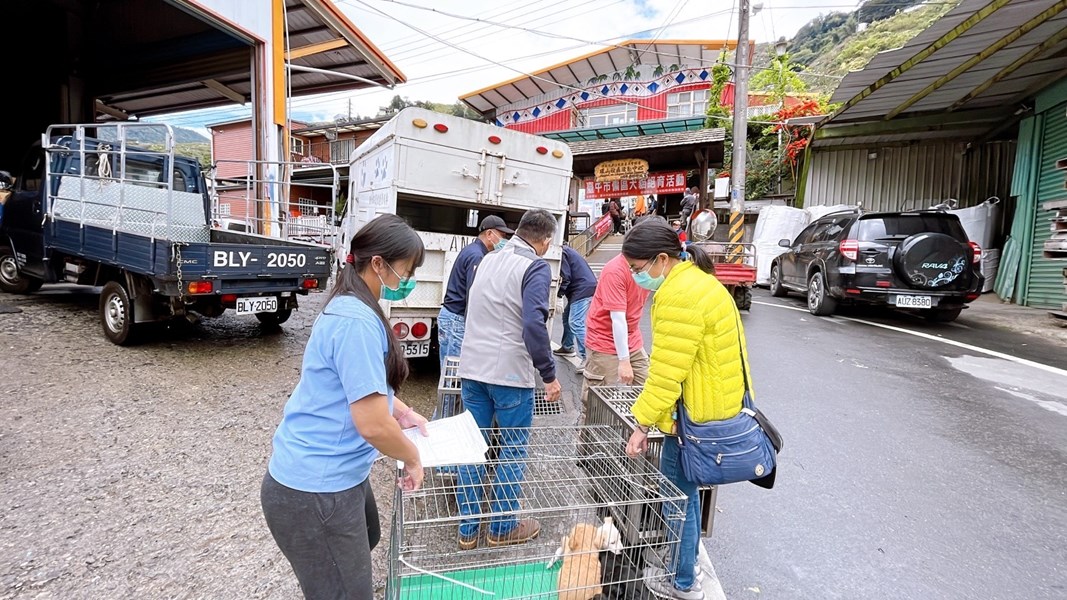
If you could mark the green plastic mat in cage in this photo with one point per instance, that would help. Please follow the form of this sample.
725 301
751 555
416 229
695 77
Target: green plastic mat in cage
528 580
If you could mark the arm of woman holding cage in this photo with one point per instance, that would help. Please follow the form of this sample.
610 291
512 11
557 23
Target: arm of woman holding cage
676 336
371 417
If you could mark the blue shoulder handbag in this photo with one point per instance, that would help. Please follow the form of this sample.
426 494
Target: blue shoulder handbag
741 448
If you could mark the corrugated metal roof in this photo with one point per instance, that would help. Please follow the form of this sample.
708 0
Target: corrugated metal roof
575 73
642 142
982 55
175 57
628 130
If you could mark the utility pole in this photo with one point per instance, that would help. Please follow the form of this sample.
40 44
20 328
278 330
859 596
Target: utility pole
737 168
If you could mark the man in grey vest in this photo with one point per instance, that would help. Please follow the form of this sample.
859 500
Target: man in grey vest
506 345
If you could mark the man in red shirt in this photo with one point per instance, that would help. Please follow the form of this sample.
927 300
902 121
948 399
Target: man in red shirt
616 352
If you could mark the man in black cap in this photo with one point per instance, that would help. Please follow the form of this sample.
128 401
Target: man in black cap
493 233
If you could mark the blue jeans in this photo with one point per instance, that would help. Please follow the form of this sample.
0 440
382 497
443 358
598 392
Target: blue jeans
574 324
686 555
567 341
450 328
512 408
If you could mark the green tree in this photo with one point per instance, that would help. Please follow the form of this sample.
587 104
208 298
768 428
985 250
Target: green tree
718 115
780 79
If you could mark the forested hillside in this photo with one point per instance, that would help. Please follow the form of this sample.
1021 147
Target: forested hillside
831 45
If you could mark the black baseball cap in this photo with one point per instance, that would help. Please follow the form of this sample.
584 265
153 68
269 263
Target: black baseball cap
495 222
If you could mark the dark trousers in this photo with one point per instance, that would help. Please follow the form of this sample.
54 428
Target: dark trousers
326 537
618 223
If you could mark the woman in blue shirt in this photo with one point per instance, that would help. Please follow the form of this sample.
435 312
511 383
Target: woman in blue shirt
316 495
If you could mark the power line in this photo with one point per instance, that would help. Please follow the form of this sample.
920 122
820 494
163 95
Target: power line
670 17
476 31
331 98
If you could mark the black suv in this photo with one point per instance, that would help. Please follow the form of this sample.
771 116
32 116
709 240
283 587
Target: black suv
918 261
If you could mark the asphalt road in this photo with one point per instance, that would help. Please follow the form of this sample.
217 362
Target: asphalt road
911 469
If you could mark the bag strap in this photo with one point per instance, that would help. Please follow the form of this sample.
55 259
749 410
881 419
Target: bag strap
746 403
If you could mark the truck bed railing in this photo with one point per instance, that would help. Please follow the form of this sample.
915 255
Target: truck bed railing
106 181
261 197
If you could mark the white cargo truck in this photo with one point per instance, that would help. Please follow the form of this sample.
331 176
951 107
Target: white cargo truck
444 174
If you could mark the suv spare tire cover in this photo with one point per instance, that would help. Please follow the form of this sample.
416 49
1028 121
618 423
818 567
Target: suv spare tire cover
931 260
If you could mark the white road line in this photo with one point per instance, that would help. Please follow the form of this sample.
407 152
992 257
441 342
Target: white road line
980 350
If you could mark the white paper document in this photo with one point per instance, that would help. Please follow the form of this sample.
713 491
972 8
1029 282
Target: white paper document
455 440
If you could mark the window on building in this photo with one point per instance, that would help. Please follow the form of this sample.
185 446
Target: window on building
298 146
616 114
307 206
687 104
341 150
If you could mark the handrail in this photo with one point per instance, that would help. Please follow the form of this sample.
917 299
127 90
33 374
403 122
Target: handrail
587 241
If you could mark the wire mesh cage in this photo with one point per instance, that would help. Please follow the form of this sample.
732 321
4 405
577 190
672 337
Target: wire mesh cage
610 406
602 491
450 400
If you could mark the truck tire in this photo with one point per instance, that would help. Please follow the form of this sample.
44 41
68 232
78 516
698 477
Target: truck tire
743 297
11 280
820 303
273 319
116 315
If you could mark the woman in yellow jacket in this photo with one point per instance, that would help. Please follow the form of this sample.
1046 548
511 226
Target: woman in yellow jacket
697 344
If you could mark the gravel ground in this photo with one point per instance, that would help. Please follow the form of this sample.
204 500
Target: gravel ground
135 472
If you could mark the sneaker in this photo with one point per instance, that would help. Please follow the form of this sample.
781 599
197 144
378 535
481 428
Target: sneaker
561 351
524 531
468 542
581 367
662 586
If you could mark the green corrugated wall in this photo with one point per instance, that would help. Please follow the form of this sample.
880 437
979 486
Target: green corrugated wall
1045 287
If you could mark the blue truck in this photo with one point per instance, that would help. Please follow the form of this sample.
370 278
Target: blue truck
89 208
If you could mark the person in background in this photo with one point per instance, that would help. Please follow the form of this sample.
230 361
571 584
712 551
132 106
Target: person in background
640 207
577 284
616 350
678 229
6 183
506 344
697 352
605 207
653 205
493 234
615 210
316 495
689 205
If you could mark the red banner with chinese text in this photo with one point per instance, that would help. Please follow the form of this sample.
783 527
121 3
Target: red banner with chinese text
664 182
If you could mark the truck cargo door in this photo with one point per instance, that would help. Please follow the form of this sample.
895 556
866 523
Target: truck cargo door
443 172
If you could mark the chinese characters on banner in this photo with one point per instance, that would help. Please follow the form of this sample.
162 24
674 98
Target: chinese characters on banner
666 182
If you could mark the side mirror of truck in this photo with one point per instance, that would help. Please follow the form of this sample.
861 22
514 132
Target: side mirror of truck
785 243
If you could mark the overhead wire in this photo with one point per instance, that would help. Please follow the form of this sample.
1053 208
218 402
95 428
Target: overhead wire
475 30
326 99
488 23
678 6
519 71
400 43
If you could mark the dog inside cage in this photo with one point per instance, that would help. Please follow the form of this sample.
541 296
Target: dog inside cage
602 521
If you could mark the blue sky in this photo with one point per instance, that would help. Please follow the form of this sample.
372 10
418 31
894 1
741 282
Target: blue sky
448 47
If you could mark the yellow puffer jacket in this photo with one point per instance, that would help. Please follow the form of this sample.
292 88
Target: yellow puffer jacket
695 351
